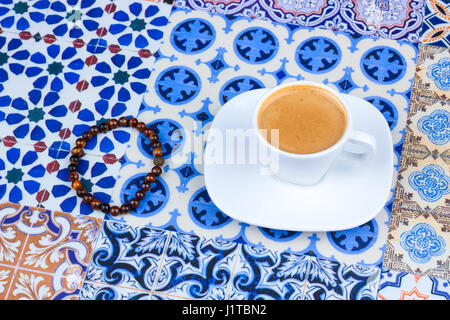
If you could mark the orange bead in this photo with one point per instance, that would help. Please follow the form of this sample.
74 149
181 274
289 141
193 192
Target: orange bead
77 185
157 152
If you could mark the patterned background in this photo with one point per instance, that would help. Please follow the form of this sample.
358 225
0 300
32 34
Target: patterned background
66 65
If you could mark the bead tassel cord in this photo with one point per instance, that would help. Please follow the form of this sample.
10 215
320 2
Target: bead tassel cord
78 153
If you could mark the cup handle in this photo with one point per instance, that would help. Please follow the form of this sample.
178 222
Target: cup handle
364 140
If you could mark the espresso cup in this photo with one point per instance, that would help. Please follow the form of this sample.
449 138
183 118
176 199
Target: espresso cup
310 168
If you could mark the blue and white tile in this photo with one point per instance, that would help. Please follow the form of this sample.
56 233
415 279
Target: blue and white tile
397 285
198 268
97 291
26 15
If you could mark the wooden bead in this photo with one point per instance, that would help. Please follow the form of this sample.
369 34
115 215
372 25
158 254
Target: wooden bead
157 152
158 161
154 138
147 132
80 142
87 135
72 167
94 130
156 144
81 192
145 186
73 176
133 122
123 122
104 207
74 159
140 194
104 127
95 204
156 170
113 123
77 151
135 203
125 208
77 184
114 210
140 126
150 177
88 197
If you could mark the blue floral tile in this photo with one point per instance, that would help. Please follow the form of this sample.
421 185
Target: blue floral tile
197 268
435 28
397 285
95 291
127 256
418 244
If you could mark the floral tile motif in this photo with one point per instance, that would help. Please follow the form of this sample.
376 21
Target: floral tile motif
95 291
208 73
30 285
423 179
397 285
417 243
431 78
37 176
6 276
197 268
127 256
389 19
264 274
435 28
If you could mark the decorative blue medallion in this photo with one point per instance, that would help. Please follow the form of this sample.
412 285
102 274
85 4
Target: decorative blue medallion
436 126
256 45
440 73
237 86
431 183
204 212
318 55
177 85
383 65
356 240
193 36
422 243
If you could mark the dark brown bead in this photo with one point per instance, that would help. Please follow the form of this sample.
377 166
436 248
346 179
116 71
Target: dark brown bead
125 208
73 176
158 161
147 132
74 159
156 144
135 203
77 184
72 167
77 151
114 210
132 122
104 127
94 130
81 192
145 186
154 138
140 194
157 152
123 122
105 207
88 197
140 126
87 135
156 170
113 123
95 204
150 177
80 142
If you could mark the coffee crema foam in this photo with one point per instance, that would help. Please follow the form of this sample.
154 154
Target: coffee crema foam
309 119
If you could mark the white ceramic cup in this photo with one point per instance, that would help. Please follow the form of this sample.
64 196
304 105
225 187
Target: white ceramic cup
309 169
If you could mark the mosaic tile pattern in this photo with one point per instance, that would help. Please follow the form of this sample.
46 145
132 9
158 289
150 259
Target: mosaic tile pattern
389 19
226 62
436 23
397 285
44 254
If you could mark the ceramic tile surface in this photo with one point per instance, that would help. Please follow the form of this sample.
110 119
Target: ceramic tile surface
68 64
